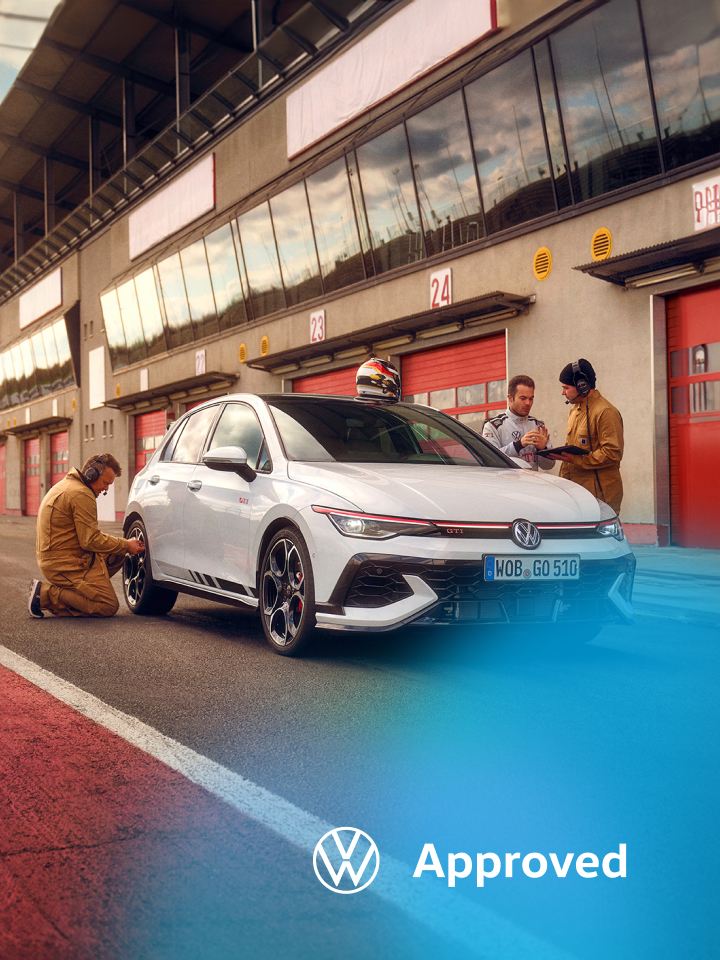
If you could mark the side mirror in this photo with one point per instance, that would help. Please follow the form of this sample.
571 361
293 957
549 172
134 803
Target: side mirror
231 460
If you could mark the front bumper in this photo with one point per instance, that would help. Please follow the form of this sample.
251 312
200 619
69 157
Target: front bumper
380 592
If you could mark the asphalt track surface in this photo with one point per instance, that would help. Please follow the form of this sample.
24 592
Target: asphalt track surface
474 743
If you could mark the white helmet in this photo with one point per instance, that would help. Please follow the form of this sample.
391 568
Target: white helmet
378 378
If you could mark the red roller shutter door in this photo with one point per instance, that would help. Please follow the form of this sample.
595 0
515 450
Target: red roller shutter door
31 454
466 380
333 383
59 457
693 329
149 431
3 450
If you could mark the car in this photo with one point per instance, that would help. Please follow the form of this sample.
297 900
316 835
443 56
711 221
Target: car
345 513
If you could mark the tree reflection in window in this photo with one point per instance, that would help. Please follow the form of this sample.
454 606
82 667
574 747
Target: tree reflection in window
389 193
225 277
177 310
605 100
336 233
261 262
510 145
445 175
296 245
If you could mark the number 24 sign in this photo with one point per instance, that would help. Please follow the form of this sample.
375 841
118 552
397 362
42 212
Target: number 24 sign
441 288
317 326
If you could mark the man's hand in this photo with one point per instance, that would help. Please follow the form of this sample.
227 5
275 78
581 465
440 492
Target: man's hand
135 547
538 438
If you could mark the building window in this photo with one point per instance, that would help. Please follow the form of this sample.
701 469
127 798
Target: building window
336 232
510 145
445 175
261 263
605 100
225 277
199 289
296 245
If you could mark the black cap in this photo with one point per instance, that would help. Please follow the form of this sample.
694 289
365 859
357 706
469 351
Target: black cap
569 377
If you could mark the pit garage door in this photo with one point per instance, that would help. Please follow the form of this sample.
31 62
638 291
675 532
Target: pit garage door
333 383
31 499
466 380
3 450
693 336
149 431
59 457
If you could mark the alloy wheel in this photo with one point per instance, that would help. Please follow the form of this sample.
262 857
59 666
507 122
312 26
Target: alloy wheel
283 592
134 570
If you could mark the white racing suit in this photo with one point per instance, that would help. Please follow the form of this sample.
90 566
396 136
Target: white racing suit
505 431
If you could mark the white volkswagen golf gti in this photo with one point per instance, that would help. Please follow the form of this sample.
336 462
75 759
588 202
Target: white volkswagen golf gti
359 514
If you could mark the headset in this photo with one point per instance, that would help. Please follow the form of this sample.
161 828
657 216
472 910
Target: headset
580 381
95 468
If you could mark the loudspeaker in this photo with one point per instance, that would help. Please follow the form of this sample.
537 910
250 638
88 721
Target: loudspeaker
579 380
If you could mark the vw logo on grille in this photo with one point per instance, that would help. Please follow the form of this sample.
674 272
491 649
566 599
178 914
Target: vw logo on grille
526 534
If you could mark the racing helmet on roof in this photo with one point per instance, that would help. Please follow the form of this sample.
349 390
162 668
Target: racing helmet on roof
378 379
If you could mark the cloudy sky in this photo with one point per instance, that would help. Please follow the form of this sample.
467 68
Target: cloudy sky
21 24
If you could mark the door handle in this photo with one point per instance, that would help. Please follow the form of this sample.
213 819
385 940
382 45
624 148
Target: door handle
194 485
155 479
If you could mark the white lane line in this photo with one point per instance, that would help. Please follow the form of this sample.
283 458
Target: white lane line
447 913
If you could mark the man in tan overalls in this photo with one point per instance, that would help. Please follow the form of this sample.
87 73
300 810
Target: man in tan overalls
595 425
76 558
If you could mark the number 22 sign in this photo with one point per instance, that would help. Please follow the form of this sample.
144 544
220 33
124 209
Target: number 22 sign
317 326
441 288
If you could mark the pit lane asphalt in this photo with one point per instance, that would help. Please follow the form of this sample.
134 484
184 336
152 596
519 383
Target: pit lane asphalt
405 733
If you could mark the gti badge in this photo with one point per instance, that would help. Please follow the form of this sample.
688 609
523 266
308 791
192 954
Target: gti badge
525 534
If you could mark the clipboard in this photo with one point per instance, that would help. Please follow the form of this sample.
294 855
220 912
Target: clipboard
568 448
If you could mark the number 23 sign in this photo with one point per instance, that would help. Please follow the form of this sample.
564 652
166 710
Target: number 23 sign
441 288
317 326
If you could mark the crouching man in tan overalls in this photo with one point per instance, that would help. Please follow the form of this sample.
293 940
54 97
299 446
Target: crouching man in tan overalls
75 557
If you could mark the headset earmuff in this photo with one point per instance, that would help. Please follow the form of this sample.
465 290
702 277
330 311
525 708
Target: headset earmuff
581 384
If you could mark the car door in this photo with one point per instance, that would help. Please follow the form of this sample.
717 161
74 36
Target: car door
166 491
217 515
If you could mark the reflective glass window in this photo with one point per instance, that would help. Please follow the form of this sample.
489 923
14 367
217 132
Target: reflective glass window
65 366
389 194
336 231
510 144
225 277
296 245
551 113
679 400
445 175
705 396
42 371
605 100
443 399
51 355
20 378
496 391
11 383
471 396
177 312
113 329
239 426
684 47
132 324
29 367
192 438
199 289
150 314
261 262
360 213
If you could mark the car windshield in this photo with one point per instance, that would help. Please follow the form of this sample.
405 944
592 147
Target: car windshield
356 431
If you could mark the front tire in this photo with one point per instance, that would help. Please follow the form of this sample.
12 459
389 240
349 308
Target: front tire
287 593
143 596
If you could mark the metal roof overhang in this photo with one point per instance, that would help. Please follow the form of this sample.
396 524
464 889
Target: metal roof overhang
177 390
684 257
47 423
446 320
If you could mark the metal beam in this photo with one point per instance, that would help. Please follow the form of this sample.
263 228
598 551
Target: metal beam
18 228
221 39
129 128
113 68
75 105
39 151
182 71
49 184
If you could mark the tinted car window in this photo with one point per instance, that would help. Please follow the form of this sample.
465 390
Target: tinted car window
238 426
351 431
192 438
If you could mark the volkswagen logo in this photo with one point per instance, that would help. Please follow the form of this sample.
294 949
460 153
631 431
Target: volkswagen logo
525 534
346 860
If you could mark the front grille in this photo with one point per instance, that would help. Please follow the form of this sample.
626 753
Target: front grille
463 594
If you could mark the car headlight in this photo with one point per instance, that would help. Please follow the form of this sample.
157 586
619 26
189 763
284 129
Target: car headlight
374 527
611 528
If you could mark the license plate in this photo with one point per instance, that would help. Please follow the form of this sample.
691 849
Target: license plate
530 568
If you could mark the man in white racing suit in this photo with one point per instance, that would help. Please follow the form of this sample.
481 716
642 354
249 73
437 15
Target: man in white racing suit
515 432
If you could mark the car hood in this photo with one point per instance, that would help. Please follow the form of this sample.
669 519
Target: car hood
451 493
